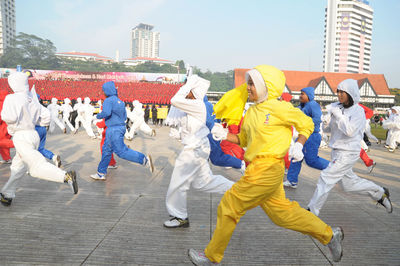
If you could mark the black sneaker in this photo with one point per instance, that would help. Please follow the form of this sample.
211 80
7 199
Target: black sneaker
70 179
176 222
5 201
385 201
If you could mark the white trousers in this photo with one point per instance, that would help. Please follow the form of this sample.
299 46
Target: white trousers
78 119
393 138
87 125
55 121
26 143
95 121
340 169
192 169
368 132
66 121
139 126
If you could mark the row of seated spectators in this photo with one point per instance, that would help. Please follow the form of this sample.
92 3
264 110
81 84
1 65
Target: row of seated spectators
127 91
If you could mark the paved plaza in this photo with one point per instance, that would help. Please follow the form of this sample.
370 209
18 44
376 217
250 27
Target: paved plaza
119 221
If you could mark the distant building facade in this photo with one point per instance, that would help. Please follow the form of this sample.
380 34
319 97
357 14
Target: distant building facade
7 24
348 36
145 42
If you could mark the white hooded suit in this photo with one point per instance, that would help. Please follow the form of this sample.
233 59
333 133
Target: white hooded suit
54 109
191 165
393 125
346 126
137 118
66 109
22 113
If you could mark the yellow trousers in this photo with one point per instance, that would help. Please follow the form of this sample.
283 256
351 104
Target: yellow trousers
262 185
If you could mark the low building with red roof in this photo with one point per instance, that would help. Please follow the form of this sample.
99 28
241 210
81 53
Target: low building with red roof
140 60
85 56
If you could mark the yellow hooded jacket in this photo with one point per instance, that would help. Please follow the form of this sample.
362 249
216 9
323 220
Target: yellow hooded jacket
267 126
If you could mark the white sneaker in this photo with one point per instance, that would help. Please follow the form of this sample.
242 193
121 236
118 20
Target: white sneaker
98 176
287 183
57 161
385 201
199 258
112 166
176 222
148 162
370 168
335 245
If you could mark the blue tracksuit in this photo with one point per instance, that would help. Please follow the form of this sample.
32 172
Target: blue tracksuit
217 156
114 114
310 149
42 131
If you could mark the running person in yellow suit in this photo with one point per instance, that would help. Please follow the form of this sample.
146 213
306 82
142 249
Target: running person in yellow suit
266 132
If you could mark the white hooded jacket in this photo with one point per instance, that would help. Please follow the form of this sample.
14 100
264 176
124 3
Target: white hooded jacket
346 130
18 111
193 125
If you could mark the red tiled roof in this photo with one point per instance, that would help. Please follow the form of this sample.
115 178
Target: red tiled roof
296 80
83 54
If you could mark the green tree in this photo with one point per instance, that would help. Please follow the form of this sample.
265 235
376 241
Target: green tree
30 51
396 92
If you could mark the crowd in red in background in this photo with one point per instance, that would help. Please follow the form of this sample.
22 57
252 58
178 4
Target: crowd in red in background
159 93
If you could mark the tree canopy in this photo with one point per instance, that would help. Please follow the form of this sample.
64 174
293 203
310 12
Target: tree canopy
33 52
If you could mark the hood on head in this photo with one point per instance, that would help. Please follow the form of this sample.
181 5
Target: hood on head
109 88
274 80
198 85
79 100
53 100
18 82
397 108
67 101
310 92
351 87
87 100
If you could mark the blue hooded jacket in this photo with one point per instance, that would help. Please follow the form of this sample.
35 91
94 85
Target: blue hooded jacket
113 111
311 108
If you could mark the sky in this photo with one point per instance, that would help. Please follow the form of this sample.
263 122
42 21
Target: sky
216 35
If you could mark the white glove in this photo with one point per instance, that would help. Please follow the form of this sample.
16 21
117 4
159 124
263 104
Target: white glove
296 152
337 112
219 132
243 168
